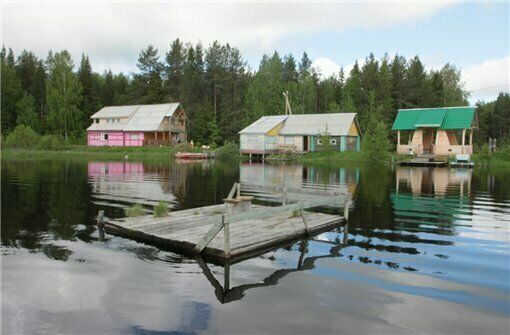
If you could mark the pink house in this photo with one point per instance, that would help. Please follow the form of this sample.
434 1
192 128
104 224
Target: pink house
138 125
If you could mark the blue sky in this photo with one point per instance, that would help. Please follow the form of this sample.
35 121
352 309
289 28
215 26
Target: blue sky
473 36
465 34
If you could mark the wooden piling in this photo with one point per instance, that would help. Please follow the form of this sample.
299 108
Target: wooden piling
100 218
226 237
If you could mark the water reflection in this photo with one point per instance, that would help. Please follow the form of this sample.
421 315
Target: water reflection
416 237
225 294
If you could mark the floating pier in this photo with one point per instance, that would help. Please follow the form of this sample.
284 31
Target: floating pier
231 231
426 160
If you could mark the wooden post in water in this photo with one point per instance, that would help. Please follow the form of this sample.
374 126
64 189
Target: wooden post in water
100 218
226 237
100 224
238 190
346 226
226 278
304 221
346 211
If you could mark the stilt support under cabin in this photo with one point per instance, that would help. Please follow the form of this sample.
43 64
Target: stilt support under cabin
245 233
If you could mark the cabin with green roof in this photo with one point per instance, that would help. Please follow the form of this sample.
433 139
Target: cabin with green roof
435 131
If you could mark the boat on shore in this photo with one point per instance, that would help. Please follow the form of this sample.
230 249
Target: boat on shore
194 155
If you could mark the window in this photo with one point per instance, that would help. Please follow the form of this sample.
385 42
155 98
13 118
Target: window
96 120
104 137
288 140
332 141
319 142
271 139
134 136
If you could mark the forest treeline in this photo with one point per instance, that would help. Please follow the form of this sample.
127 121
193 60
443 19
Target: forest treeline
221 94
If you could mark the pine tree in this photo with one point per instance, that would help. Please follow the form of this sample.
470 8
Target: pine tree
175 63
90 101
148 84
417 85
398 82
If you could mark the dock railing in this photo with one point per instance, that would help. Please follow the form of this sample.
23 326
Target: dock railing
223 223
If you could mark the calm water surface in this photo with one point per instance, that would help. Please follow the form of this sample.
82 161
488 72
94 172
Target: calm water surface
425 251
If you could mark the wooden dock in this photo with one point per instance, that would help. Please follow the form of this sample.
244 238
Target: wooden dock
245 234
427 161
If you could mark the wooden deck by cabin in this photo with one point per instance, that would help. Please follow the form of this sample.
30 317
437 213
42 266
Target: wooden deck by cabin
246 233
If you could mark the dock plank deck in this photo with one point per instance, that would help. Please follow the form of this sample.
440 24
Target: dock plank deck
182 230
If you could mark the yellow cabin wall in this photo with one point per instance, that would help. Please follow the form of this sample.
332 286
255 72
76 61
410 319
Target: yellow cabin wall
353 130
275 131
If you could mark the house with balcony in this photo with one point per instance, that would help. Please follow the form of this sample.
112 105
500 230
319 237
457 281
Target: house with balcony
442 131
138 125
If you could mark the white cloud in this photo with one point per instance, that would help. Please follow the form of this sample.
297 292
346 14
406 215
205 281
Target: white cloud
113 33
487 79
326 67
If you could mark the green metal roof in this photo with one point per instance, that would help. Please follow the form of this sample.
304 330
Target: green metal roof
431 118
443 118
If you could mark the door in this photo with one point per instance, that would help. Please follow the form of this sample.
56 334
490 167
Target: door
428 140
305 143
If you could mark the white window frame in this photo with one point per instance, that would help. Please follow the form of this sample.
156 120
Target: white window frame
319 142
134 137
333 141
104 137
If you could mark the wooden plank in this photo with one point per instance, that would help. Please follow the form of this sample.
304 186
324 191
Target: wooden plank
226 238
209 236
232 191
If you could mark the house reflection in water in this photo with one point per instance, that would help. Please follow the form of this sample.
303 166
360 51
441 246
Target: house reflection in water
132 182
432 197
436 181
300 176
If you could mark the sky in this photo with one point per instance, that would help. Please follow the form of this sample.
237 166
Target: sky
473 36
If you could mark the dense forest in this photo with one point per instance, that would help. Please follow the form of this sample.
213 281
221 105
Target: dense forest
221 94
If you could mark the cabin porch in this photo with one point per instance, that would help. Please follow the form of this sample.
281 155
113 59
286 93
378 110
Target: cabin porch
163 138
436 141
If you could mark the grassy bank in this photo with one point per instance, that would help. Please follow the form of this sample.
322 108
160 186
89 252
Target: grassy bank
228 151
340 157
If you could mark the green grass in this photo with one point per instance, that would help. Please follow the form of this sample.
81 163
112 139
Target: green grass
83 151
161 209
135 210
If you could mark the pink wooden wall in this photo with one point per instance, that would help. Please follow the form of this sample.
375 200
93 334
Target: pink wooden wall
115 139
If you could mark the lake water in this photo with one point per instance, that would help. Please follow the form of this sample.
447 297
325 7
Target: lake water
424 251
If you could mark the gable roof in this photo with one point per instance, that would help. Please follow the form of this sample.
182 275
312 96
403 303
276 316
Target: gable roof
149 117
442 118
264 124
337 124
140 117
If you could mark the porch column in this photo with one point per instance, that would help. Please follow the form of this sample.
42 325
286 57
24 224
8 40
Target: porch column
471 137
398 137
463 139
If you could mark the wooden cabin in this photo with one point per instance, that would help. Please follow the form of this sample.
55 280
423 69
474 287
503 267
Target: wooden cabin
138 125
301 133
435 131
